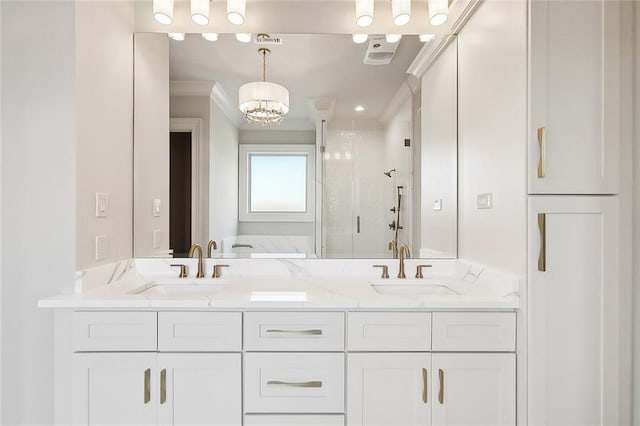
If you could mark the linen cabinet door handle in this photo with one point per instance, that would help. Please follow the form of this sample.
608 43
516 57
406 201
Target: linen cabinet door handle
313 332
441 392
542 256
425 385
147 385
310 384
542 143
163 386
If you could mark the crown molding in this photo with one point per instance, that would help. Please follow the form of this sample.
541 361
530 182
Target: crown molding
222 99
191 88
403 93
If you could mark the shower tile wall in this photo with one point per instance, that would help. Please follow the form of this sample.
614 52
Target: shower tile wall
353 164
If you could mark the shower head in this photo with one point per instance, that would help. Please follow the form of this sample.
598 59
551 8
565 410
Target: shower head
389 172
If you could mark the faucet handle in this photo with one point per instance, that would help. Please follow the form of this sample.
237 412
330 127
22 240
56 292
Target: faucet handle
217 273
419 270
184 271
385 270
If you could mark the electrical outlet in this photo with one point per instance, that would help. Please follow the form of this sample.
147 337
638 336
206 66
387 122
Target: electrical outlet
437 205
102 247
485 201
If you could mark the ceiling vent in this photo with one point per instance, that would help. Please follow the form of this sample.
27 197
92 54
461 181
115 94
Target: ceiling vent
266 39
380 52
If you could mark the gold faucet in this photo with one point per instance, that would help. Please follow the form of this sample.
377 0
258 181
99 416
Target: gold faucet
198 247
211 247
405 253
393 246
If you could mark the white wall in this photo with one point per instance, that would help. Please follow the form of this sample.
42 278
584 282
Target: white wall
38 197
399 157
439 156
198 107
104 93
492 101
151 134
223 184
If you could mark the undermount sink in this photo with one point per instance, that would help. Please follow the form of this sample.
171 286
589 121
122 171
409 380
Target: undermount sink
177 289
417 287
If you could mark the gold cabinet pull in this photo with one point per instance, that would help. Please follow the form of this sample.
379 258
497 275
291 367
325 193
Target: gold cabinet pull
425 385
310 384
313 332
147 385
163 386
441 392
542 256
542 143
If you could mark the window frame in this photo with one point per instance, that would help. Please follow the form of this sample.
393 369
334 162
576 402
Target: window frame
244 155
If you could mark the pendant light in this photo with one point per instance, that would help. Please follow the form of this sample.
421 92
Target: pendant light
364 13
401 11
235 11
438 11
163 11
263 102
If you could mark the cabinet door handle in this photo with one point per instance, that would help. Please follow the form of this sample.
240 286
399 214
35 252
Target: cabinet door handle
542 143
147 385
310 384
313 332
425 385
542 255
163 386
441 393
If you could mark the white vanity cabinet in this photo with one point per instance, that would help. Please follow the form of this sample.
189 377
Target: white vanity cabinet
388 385
573 304
574 129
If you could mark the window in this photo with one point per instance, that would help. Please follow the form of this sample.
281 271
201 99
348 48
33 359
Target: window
276 183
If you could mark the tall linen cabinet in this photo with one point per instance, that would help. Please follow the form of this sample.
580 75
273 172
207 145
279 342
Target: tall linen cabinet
573 217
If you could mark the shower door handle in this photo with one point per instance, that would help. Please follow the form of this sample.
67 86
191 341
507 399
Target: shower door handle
358 225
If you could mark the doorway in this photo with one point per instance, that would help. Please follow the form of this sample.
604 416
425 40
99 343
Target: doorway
180 181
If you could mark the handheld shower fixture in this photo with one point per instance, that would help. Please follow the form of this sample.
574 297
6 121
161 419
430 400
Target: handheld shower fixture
389 172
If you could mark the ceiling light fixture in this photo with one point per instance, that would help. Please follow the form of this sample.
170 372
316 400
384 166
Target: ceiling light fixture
393 38
243 37
235 11
263 102
163 11
401 10
200 11
176 36
359 108
425 38
438 11
364 13
360 38
210 36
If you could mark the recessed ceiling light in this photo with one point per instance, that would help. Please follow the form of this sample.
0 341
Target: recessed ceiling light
359 108
176 36
425 38
393 38
243 37
360 38
210 36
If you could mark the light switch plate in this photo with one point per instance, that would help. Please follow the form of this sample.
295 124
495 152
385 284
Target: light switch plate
437 205
485 201
102 204
157 238
102 247
156 207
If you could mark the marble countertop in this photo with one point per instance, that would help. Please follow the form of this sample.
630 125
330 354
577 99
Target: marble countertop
289 284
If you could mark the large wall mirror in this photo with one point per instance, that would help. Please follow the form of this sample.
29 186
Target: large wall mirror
365 155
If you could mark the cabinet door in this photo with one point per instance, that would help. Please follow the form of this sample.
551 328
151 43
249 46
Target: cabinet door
389 389
574 128
114 389
573 292
199 389
474 389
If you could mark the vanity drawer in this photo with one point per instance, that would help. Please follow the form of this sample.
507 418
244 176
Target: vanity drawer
294 331
474 331
294 382
115 331
200 331
294 420
389 331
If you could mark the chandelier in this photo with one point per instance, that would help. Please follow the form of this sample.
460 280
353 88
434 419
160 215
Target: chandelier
261 101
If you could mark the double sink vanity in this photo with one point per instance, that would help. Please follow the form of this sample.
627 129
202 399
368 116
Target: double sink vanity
286 342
